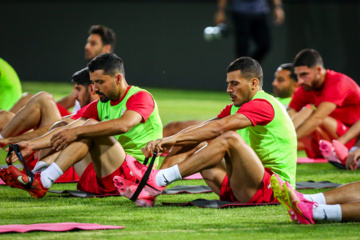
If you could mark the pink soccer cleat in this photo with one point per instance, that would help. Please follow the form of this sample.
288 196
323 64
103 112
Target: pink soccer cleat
328 151
302 208
340 150
139 170
127 189
276 186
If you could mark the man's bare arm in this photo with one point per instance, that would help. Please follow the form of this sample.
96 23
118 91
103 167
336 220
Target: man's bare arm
322 111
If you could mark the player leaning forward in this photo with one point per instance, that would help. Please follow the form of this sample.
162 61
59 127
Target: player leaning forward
109 133
245 174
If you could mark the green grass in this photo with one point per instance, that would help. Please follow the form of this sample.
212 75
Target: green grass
169 222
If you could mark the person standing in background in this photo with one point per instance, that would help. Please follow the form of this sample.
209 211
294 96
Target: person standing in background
250 22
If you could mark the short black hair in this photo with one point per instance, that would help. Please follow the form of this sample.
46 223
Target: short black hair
289 67
107 35
249 67
308 57
109 62
82 77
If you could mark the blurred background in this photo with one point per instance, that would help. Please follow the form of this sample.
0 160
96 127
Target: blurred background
162 43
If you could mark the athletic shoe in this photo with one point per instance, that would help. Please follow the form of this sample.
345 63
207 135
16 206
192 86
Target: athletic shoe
340 150
21 180
302 208
8 178
328 152
276 186
139 170
127 189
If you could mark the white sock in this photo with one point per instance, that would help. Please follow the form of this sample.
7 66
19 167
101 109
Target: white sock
49 175
330 213
318 197
40 166
351 149
168 175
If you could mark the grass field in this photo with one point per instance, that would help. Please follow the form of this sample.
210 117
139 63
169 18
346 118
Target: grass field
169 222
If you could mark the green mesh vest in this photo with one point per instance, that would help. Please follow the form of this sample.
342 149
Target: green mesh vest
276 143
244 133
139 135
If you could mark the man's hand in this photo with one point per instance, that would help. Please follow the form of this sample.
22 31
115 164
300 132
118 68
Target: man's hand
278 15
220 17
25 150
351 161
63 138
4 142
161 145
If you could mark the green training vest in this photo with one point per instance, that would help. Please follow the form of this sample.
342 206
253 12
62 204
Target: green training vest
276 143
244 133
139 135
10 86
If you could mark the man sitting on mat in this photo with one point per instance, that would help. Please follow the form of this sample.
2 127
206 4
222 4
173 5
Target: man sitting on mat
40 114
99 151
335 96
245 174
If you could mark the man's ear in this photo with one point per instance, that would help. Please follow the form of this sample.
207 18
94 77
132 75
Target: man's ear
254 83
319 69
118 77
91 88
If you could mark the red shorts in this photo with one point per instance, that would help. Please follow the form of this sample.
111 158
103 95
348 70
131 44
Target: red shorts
341 130
63 111
263 195
69 175
89 182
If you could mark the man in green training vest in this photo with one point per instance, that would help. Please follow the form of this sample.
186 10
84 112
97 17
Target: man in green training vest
110 132
245 174
285 83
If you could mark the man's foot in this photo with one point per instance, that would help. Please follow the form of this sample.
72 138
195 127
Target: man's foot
302 208
340 150
127 189
328 152
21 180
276 185
8 178
139 170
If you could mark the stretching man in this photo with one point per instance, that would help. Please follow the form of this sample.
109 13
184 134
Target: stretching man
128 118
335 96
40 113
284 86
245 175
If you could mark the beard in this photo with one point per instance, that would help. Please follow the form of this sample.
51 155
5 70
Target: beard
102 97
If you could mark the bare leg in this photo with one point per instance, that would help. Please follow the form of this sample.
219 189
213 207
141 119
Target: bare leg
179 154
344 194
106 154
244 168
21 102
5 118
40 111
174 127
350 212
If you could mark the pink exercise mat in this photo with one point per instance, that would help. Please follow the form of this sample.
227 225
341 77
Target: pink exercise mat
312 160
55 227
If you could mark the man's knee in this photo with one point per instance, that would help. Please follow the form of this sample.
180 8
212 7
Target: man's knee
230 139
90 122
43 97
58 124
